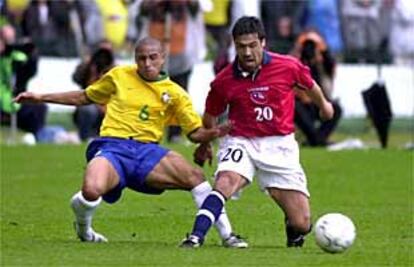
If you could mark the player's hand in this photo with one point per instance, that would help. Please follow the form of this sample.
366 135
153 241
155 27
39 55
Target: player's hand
326 112
203 135
28 97
224 128
202 153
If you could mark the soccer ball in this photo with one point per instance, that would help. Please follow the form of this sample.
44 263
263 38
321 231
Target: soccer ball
334 232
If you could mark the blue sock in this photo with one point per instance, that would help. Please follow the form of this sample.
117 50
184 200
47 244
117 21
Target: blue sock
208 213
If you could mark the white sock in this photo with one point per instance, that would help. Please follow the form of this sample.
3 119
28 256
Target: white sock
84 210
222 224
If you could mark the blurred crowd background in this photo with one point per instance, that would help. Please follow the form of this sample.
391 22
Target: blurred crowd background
354 30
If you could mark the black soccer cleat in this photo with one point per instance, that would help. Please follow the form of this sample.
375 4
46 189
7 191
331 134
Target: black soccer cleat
191 241
297 242
294 238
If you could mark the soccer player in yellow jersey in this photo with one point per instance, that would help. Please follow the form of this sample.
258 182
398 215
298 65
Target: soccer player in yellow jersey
140 101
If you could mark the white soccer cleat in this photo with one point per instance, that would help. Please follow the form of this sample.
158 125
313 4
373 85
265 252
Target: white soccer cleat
235 241
90 235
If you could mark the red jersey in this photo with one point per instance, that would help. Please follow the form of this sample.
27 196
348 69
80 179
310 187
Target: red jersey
261 104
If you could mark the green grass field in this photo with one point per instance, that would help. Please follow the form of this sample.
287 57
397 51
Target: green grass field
373 187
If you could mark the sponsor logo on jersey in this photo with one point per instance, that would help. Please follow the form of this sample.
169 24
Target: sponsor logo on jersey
258 94
165 98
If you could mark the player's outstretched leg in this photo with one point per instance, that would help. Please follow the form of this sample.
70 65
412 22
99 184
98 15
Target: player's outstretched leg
84 211
206 217
295 206
222 224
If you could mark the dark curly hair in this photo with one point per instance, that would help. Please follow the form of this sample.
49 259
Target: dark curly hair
247 25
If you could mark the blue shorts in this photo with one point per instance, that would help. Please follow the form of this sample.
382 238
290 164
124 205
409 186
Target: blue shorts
132 160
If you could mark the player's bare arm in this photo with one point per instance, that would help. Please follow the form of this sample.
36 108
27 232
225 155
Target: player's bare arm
72 98
204 152
205 135
209 121
326 110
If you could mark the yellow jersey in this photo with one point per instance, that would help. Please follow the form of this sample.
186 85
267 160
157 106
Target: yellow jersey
140 109
219 15
114 20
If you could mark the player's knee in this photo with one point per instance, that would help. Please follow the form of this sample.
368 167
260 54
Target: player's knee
195 177
90 192
228 183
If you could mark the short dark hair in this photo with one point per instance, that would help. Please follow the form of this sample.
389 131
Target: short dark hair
247 25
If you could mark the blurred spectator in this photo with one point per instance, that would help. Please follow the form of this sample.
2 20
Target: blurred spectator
115 21
323 15
134 25
179 25
89 26
282 21
218 22
223 58
88 118
92 31
384 55
18 64
13 10
314 53
362 30
114 16
48 24
402 32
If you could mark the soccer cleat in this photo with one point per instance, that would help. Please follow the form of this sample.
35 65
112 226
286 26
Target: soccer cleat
297 242
192 241
235 241
90 235
295 239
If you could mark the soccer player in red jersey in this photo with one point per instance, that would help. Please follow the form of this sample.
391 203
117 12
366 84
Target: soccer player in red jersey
258 90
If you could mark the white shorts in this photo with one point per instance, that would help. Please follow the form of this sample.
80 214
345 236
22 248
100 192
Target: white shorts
274 160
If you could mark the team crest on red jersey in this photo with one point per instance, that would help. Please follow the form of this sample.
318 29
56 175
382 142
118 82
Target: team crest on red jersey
258 94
